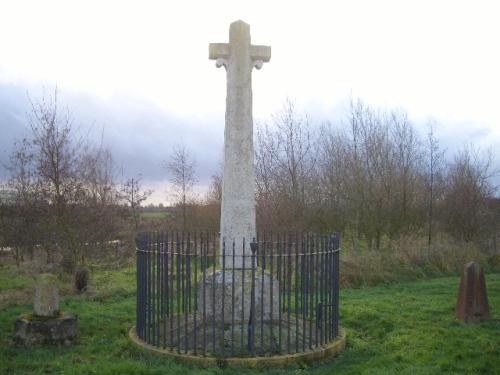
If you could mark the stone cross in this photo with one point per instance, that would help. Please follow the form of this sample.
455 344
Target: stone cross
239 57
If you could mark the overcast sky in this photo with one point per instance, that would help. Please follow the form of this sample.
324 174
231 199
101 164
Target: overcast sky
140 69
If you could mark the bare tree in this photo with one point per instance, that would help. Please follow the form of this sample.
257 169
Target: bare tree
214 194
334 203
133 194
468 189
368 170
407 163
51 155
4 217
284 165
56 151
208 210
64 198
102 215
19 221
369 173
435 160
183 178
46 181
98 169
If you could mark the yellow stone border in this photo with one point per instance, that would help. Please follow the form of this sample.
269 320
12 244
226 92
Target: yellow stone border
329 350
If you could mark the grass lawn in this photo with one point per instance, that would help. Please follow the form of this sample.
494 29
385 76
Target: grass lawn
404 328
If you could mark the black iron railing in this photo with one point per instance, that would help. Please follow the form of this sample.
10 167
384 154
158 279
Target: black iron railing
283 298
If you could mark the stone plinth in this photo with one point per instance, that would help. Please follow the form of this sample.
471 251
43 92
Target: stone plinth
266 306
31 330
472 303
46 303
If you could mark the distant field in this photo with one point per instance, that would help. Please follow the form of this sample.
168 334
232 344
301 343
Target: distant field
400 328
154 215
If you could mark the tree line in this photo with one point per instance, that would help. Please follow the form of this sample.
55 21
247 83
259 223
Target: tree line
372 177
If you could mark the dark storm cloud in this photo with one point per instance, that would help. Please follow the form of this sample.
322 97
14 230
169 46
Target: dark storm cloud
139 134
13 126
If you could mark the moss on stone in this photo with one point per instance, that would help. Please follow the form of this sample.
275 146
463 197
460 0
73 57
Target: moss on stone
33 317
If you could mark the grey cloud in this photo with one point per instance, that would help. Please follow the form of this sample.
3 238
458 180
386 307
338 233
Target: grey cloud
13 126
139 134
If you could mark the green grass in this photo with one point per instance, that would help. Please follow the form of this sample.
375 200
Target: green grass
403 328
11 279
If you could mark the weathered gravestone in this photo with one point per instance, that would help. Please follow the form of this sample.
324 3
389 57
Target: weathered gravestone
472 303
46 325
46 303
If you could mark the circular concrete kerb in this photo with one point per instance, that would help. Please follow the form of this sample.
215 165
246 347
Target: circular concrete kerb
322 353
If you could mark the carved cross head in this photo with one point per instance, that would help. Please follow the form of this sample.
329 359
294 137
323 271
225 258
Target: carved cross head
239 50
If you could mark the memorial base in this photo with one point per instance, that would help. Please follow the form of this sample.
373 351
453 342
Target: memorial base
31 330
228 295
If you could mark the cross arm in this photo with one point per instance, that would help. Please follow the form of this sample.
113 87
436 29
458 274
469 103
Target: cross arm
260 53
218 51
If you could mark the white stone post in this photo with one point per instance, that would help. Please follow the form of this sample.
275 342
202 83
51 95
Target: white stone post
239 57
46 301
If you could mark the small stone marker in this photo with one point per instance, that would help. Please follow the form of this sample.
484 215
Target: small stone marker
472 303
46 325
46 302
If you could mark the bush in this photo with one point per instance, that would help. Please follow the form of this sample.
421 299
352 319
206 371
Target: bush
81 279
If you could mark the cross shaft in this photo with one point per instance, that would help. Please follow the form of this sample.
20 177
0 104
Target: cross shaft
239 57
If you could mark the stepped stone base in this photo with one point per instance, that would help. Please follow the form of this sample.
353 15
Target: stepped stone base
31 330
220 293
